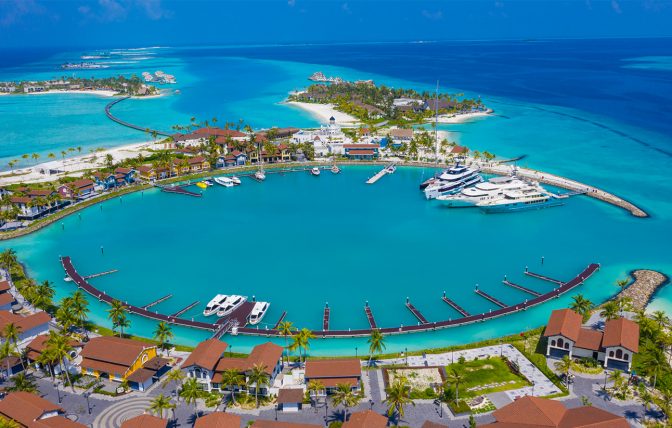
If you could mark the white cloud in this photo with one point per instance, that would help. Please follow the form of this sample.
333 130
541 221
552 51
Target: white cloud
13 10
432 16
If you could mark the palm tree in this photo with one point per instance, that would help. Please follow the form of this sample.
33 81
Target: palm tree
175 376
44 294
116 313
7 351
622 283
163 334
305 337
58 345
191 391
8 259
660 317
286 328
398 396
8 423
314 386
259 378
21 382
652 358
581 305
213 400
35 157
344 395
123 323
376 343
455 378
610 310
80 309
159 404
232 378
565 365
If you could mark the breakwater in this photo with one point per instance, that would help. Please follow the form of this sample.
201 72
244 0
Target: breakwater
644 285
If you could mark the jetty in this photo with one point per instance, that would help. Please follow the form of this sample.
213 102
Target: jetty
112 117
521 288
178 190
490 298
369 316
157 301
643 286
325 317
543 277
96 275
380 174
416 312
185 309
281 319
240 316
455 306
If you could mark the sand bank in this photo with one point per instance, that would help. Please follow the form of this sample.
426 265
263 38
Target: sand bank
323 112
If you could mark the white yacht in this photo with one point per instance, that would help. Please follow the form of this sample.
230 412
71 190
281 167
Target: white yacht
532 198
452 181
232 303
224 181
235 180
315 171
215 304
260 175
482 192
258 312
335 169
390 169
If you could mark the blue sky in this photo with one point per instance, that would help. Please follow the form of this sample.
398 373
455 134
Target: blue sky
63 23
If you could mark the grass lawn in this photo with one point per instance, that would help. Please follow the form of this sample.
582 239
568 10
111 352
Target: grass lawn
485 376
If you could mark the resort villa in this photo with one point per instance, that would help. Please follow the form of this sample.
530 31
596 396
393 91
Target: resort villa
121 359
78 189
332 373
207 363
34 203
29 326
401 136
614 347
327 140
361 151
6 298
32 411
34 350
120 177
534 412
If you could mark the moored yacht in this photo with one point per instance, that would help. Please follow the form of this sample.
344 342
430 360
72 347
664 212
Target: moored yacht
482 192
452 181
532 198
215 304
335 169
390 169
232 303
258 312
224 181
315 171
260 175
235 180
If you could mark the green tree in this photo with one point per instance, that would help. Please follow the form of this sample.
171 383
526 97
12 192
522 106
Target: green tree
8 423
175 377
8 259
622 283
454 377
191 392
232 378
581 305
22 382
259 379
344 395
11 332
7 351
610 310
159 404
314 387
286 329
398 396
163 334
661 318
213 400
58 345
117 314
376 343
565 365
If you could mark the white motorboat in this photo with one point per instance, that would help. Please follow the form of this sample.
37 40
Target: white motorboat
235 180
452 181
208 182
232 303
390 169
335 169
533 198
260 175
482 192
215 304
258 312
315 171
224 181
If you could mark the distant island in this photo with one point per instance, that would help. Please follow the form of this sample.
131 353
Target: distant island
119 85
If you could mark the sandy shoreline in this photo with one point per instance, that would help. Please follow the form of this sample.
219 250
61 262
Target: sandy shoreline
323 112
460 118
70 91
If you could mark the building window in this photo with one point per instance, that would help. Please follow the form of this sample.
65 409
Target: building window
561 342
611 354
626 356
567 345
619 354
552 342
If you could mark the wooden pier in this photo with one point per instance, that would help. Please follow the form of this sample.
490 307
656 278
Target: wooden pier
325 317
157 301
369 316
489 297
185 309
380 174
543 277
96 275
241 314
416 312
281 319
454 305
521 288
179 190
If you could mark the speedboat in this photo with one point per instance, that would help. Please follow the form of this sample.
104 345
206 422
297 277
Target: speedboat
532 198
482 192
235 180
335 169
208 182
452 181
224 181
390 169
232 303
315 171
202 185
258 312
215 304
259 175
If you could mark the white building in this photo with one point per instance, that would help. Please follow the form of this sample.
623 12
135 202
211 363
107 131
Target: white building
327 140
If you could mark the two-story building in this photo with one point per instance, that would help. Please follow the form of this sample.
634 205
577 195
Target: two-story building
36 347
614 347
119 359
332 373
32 411
234 158
361 151
400 136
78 189
29 326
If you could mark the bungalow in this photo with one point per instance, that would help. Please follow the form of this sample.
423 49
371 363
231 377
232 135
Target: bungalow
361 151
207 363
197 164
290 399
366 419
331 373
145 421
541 412
218 420
401 136
29 326
36 347
615 347
121 359
32 411
234 158
78 189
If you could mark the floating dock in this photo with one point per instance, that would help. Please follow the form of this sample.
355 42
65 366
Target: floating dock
455 306
416 312
179 190
96 275
157 301
543 277
380 174
521 288
369 316
185 309
281 319
325 317
489 297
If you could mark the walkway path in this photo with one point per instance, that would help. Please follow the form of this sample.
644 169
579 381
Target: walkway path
114 415
109 114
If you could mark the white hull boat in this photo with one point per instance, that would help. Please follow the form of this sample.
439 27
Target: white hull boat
215 304
258 312
224 181
232 303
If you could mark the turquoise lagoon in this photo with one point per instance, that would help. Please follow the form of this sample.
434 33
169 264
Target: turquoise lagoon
300 241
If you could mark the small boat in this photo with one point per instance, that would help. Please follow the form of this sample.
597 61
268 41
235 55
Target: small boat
259 175
202 185
315 171
215 304
224 181
335 169
232 303
258 312
235 180
209 182
520 200
390 169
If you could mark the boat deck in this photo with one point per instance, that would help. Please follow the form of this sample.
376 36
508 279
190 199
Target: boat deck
521 288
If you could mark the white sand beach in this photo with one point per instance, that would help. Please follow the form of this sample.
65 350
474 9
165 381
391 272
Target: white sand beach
460 118
323 112
76 165
70 91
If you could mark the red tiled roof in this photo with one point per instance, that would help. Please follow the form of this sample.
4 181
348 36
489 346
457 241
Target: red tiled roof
26 408
621 332
361 152
589 339
366 419
4 286
57 422
218 420
6 299
145 421
564 322
459 149
263 423
336 368
114 350
24 323
402 133
19 199
206 354
219 132
290 395
80 184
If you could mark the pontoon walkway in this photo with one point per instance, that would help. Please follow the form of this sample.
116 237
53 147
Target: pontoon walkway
521 288
281 319
157 301
369 316
543 277
489 297
325 317
185 309
179 190
416 312
454 305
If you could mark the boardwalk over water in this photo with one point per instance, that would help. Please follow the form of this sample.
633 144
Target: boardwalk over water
543 277
112 117
416 312
491 298
455 306
157 301
224 325
325 317
185 309
179 190
521 288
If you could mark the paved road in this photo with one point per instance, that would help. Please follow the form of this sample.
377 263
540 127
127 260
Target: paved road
114 415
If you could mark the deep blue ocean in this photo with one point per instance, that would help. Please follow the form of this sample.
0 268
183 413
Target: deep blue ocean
599 111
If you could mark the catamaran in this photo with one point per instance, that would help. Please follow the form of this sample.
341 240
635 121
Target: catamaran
232 303
224 181
315 171
258 312
483 192
215 304
452 181
533 198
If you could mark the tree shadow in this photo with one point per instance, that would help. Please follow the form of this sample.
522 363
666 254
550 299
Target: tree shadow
193 417
631 415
